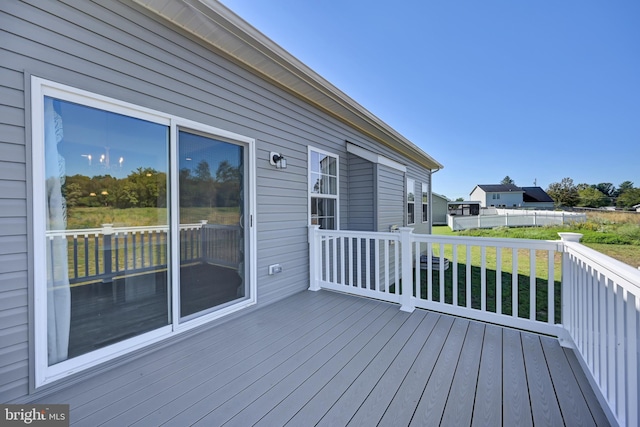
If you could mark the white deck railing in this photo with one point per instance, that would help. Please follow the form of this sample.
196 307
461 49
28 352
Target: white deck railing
561 288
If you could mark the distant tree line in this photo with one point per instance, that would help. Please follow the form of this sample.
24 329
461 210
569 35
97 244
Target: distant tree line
565 193
147 187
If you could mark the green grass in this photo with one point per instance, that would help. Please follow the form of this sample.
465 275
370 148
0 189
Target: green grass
523 290
78 218
614 234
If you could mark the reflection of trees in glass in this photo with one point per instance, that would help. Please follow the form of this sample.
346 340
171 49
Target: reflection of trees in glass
144 187
202 190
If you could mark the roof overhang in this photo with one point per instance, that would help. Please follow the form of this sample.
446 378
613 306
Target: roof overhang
228 34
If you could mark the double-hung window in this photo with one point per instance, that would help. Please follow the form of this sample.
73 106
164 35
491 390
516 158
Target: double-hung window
411 201
323 189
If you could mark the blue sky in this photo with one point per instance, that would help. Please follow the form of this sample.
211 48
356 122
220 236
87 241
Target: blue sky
537 90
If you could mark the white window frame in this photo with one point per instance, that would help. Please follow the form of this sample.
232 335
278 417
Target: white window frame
40 88
411 187
311 195
425 205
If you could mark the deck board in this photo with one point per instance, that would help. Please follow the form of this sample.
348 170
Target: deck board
332 359
544 403
516 410
487 410
459 407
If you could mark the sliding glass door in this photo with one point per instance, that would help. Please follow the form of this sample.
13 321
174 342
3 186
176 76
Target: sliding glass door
212 206
142 226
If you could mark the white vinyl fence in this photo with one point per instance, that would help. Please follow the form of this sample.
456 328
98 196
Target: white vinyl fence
514 218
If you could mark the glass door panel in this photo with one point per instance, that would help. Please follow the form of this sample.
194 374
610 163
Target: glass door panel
106 227
212 205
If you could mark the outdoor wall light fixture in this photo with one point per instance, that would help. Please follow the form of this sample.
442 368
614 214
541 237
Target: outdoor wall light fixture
277 160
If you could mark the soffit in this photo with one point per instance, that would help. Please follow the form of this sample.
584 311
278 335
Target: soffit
219 27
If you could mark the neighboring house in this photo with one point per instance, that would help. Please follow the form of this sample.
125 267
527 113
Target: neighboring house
497 195
536 197
439 209
511 196
233 147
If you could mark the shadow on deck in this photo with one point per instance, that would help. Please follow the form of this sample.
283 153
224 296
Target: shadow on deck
331 359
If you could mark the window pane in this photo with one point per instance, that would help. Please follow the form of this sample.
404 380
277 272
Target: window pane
411 213
104 171
211 236
425 212
323 212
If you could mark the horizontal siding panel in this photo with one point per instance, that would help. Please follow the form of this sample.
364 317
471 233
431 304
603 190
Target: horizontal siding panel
13 299
11 97
13 317
10 336
12 115
12 79
14 135
11 171
13 262
13 207
13 372
13 280
14 353
12 152
12 226
14 390
13 244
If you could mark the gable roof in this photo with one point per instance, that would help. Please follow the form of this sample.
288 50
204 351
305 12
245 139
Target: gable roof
535 194
232 37
498 188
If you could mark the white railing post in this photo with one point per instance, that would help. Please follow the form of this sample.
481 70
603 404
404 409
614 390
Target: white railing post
406 254
314 254
567 283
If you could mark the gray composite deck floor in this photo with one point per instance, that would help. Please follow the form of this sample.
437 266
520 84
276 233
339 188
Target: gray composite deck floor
323 358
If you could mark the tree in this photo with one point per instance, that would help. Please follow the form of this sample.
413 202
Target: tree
606 188
564 193
592 198
629 198
507 181
626 185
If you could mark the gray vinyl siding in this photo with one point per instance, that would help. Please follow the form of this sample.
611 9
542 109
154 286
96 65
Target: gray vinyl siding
391 198
361 201
116 49
14 355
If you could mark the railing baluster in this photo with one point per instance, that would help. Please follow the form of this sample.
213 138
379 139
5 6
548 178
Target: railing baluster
96 252
368 283
514 283
417 282
117 242
126 251
468 277
499 280
483 278
551 289
454 274
142 249
441 272
429 254
620 377
75 256
86 255
386 264
532 284
334 243
357 262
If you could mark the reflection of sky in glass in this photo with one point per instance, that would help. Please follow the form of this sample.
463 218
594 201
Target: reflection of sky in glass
195 148
124 143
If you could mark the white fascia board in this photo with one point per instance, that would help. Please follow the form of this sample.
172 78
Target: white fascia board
375 158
